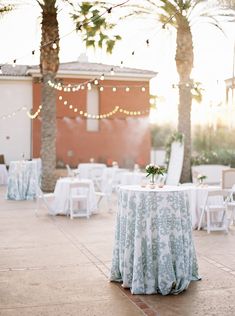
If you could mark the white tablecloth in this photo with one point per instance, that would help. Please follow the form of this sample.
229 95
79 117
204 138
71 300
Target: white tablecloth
23 180
153 248
132 178
89 170
61 193
3 175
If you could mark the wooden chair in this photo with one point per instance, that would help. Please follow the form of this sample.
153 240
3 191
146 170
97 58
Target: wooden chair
228 178
2 160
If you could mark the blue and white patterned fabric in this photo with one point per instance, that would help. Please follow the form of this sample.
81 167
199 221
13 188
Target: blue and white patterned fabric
23 180
153 249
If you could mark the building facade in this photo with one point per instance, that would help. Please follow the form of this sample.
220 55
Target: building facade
102 113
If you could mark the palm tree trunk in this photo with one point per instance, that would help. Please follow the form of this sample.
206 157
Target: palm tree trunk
49 64
48 134
184 63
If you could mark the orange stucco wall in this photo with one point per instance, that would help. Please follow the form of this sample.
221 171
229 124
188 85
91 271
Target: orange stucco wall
120 138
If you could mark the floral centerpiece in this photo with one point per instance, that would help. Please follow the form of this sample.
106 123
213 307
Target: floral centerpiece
201 177
153 170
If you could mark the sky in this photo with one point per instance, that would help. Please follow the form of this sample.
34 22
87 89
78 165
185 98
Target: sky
213 61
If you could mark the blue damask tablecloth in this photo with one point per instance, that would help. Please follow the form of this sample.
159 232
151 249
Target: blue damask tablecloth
153 249
23 180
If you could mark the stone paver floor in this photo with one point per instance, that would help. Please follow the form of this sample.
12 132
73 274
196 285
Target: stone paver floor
53 266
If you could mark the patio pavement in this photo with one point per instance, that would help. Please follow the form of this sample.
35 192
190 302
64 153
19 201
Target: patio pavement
54 266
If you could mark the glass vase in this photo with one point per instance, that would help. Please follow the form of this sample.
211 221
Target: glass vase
152 179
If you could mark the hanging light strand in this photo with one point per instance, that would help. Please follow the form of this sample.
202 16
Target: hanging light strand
103 115
35 114
88 84
54 41
13 113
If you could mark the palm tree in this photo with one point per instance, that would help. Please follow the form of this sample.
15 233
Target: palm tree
49 64
183 15
5 7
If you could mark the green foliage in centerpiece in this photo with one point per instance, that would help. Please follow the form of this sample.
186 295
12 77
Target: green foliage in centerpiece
152 169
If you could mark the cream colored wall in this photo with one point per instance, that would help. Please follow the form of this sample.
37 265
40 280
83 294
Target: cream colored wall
15 131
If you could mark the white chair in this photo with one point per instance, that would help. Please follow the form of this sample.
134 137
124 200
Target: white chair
71 172
79 195
96 174
175 163
46 198
215 204
106 188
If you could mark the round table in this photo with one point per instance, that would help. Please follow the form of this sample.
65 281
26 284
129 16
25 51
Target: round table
153 248
23 180
61 195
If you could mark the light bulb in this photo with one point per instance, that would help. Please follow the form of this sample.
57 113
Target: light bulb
54 45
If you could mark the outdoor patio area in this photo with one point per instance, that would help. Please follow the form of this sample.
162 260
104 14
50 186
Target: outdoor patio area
51 265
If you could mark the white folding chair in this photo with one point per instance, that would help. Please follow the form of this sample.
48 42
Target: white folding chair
105 189
96 174
46 198
215 204
71 172
79 196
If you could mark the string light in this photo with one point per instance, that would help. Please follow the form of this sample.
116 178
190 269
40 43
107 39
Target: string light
90 20
35 115
9 115
110 113
54 45
88 84
112 71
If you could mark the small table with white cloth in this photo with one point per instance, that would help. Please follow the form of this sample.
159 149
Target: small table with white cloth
23 180
60 204
3 174
197 199
86 169
153 248
132 178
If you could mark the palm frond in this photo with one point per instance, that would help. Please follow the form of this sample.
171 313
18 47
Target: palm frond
6 8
